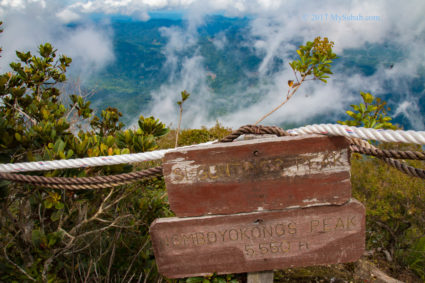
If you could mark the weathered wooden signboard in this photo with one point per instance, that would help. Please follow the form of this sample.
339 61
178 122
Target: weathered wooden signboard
258 175
259 241
258 205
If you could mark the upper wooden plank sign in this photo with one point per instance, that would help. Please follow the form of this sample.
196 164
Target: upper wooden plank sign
257 175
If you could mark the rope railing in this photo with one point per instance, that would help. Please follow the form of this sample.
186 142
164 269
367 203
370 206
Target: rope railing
89 161
416 137
355 135
329 129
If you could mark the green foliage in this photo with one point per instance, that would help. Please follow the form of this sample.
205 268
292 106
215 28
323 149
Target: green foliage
415 258
185 95
213 278
61 235
372 113
395 209
395 202
195 136
152 126
315 59
315 62
108 123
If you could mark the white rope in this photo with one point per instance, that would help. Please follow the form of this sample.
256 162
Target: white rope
417 137
89 161
329 129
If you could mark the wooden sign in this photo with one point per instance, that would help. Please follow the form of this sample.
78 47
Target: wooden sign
256 175
259 241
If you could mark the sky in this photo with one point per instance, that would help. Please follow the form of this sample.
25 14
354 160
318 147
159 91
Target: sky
274 26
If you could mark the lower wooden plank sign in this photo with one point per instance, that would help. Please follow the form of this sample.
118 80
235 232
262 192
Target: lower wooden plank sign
259 241
256 175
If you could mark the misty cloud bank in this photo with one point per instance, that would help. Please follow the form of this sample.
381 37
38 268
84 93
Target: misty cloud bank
275 28
27 24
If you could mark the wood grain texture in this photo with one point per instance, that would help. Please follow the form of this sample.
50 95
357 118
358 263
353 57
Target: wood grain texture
259 241
256 175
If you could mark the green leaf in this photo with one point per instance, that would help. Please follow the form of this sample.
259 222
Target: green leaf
55 215
110 140
59 205
48 203
52 240
36 237
367 97
185 95
24 57
59 145
69 154
195 280
350 113
18 137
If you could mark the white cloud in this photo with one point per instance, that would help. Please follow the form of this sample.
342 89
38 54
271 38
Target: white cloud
410 110
68 16
275 30
29 23
276 26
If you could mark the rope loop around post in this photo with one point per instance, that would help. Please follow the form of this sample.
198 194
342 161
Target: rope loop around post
256 130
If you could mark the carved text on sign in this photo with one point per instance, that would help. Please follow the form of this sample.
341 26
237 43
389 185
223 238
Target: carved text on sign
256 175
275 239
289 166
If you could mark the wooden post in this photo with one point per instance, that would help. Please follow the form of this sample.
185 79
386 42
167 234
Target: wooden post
260 277
264 276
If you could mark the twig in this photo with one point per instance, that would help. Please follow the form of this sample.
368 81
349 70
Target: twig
88 271
111 259
33 120
140 277
112 225
147 275
14 264
178 127
131 278
98 212
134 258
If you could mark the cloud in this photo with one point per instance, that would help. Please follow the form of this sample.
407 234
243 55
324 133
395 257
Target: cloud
29 23
409 109
68 16
275 30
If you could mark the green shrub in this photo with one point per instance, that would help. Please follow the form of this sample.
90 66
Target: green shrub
63 235
395 209
395 202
